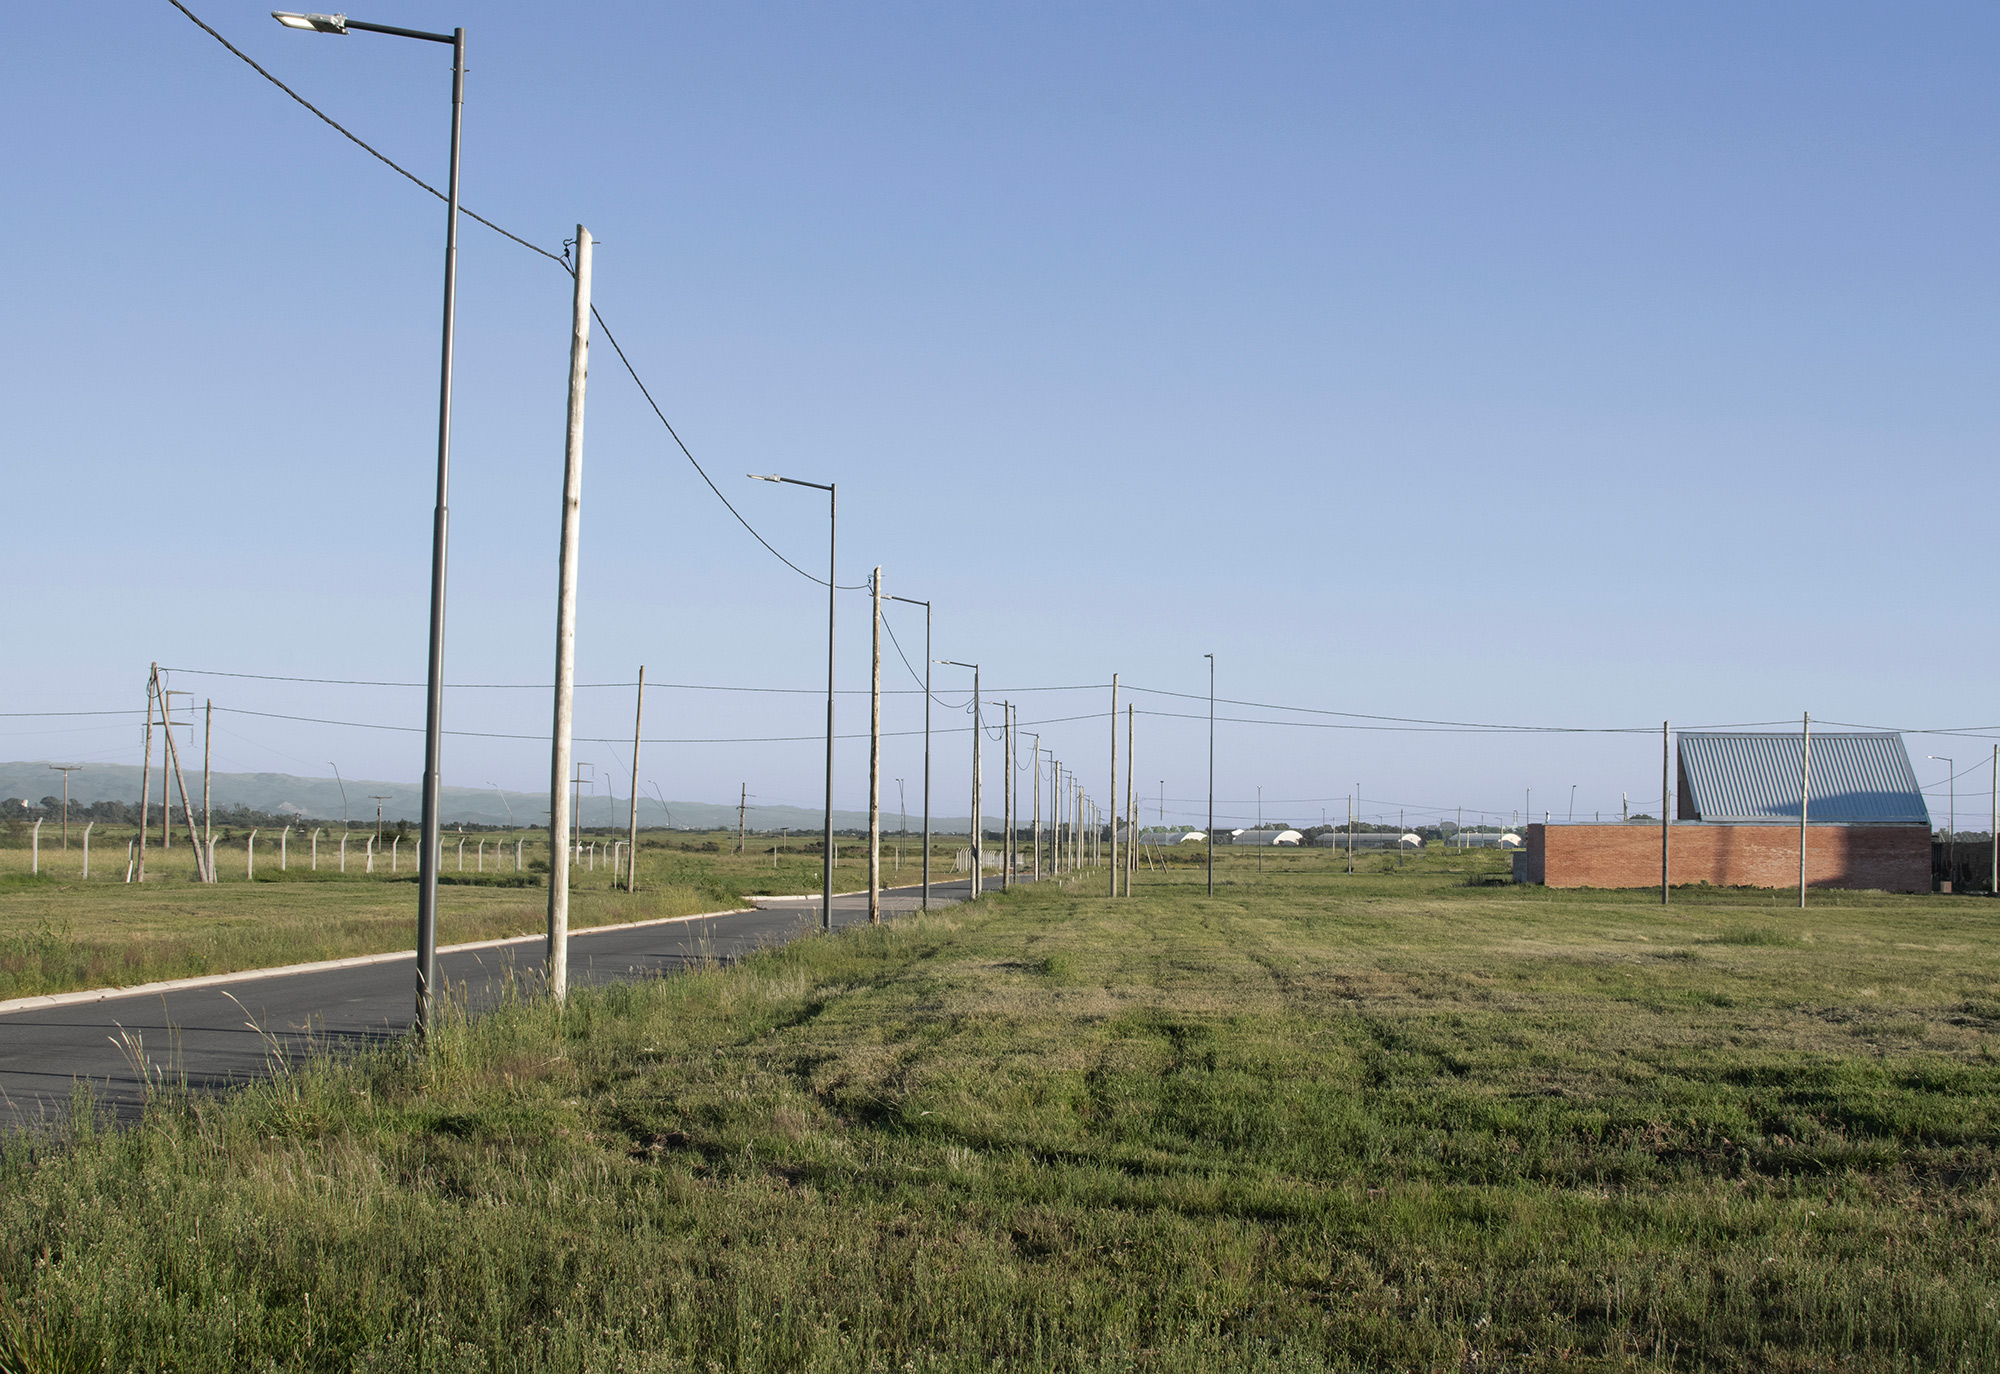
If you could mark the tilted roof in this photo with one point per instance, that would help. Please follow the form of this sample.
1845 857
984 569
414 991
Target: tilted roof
1856 779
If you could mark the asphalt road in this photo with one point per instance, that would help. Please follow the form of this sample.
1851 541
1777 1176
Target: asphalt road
216 1037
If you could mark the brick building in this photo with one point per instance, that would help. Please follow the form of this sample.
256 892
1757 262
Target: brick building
1736 821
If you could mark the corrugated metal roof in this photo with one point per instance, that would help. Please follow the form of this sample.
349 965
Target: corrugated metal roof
1857 778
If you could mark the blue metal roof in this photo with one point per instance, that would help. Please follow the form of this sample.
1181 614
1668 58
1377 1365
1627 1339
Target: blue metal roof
1856 779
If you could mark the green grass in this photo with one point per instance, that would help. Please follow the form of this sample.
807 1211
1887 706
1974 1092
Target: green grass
60 932
1384 1122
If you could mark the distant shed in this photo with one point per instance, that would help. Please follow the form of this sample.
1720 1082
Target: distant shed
1736 820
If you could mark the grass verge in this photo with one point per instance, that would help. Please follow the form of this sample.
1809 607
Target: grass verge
1323 1123
60 932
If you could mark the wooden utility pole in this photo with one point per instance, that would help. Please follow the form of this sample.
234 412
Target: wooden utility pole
1038 803
1114 784
146 774
166 777
65 769
742 805
1666 800
1055 816
1077 820
632 841
202 869
1805 796
207 815
556 955
875 753
1006 792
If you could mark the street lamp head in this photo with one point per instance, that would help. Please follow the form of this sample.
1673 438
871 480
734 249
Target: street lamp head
312 23
761 477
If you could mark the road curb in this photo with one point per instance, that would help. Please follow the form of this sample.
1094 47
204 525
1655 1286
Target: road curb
214 980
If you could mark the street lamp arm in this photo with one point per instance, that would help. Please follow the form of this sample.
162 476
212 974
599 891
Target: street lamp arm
401 33
788 481
341 24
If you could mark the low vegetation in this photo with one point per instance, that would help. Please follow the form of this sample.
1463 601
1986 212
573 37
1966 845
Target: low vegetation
60 931
1390 1121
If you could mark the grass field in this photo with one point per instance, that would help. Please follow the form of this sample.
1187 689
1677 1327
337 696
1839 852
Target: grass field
60 932
1404 1120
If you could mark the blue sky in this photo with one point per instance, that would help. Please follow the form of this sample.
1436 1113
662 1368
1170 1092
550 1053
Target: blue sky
1544 364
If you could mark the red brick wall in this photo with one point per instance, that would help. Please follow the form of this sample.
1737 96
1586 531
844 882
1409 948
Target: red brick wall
1893 858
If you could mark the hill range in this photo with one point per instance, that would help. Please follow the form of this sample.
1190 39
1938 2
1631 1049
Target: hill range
321 799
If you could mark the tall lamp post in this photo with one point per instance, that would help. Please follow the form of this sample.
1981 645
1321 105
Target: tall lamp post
832 526
911 601
1211 773
978 874
1951 824
427 863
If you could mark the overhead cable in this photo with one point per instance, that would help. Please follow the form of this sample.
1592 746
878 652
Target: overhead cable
612 739
561 261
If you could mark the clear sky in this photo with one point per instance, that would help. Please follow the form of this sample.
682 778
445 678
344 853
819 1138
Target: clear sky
1543 364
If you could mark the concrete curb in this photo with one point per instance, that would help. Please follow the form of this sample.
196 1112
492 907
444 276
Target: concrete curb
215 980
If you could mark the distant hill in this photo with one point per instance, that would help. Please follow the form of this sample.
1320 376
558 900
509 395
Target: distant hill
320 799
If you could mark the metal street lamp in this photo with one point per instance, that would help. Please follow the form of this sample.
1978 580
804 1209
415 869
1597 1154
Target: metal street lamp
1211 773
427 863
1951 824
832 523
911 601
978 873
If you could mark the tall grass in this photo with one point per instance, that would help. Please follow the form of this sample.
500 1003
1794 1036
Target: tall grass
1315 1127
59 932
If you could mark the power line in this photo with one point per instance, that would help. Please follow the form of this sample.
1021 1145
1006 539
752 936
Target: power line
336 126
1419 720
545 687
612 339
560 261
610 739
